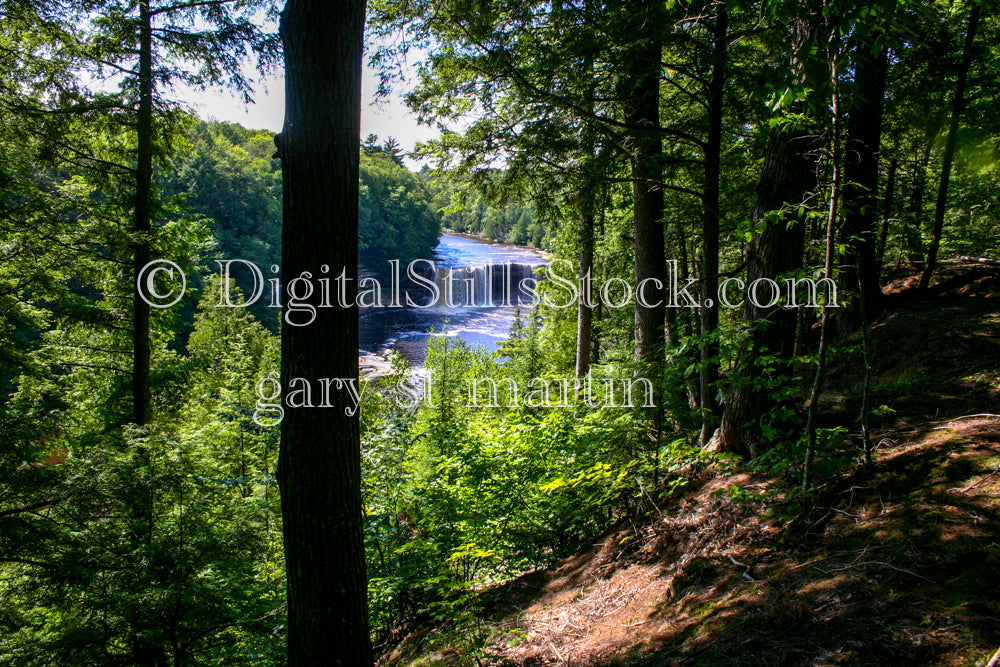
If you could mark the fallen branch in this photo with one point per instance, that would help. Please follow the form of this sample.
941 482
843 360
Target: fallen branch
878 562
746 570
975 484
981 260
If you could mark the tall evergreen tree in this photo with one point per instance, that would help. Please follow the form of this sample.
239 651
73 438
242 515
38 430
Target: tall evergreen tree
144 43
787 180
319 467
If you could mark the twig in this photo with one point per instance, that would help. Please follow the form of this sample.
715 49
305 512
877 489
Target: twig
975 484
618 609
878 562
839 553
653 502
987 415
746 570
810 562
556 651
736 562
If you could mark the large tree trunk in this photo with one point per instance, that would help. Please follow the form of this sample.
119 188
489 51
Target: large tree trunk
859 272
319 467
642 113
788 176
949 149
710 230
145 652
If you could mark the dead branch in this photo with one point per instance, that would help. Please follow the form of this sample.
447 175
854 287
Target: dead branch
878 562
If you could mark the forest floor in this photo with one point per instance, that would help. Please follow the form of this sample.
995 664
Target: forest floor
897 564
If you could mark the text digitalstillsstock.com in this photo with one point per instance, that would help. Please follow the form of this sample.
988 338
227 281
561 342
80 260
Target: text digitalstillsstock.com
302 296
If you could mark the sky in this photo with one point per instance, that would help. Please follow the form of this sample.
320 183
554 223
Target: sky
388 117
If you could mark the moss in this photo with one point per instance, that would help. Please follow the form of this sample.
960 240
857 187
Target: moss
960 469
697 571
707 609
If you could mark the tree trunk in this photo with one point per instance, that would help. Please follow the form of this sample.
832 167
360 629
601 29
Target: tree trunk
914 222
642 112
585 306
887 209
319 467
585 314
710 231
813 408
141 392
597 314
949 149
146 651
859 272
788 176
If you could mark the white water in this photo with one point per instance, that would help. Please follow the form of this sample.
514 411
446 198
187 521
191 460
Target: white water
474 266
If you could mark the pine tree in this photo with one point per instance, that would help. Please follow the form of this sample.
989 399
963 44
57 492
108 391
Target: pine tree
319 467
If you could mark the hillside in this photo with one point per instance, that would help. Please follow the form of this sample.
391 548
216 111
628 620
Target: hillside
893 565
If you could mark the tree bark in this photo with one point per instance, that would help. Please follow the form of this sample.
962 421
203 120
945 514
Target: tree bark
710 230
817 386
887 210
642 112
319 467
949 149
914 221
141 392
585 313
788 176
585 306
859 272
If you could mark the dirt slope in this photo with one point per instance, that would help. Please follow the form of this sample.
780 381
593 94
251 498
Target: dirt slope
895 565
899 567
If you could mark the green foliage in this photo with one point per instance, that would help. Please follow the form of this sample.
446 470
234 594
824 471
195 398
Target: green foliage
397 219
168 537
466 206
462 494
174 575
231 178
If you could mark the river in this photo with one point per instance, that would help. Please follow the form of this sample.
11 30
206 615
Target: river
473 264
